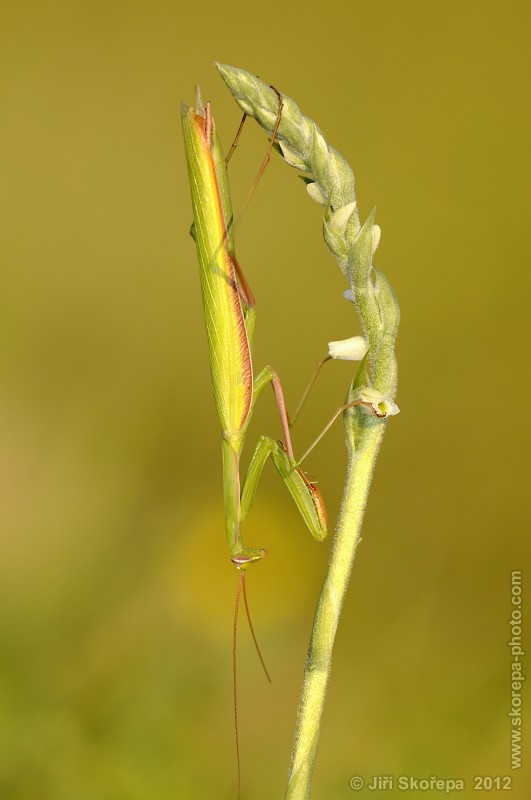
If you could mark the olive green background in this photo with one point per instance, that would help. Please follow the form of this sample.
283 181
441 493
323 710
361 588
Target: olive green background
116 592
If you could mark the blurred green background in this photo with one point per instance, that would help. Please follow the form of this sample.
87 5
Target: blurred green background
116 593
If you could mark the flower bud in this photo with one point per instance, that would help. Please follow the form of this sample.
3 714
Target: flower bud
352 349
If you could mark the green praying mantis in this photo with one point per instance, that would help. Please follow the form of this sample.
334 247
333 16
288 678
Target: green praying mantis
229 309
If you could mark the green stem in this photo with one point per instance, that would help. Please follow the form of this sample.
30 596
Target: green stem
319 662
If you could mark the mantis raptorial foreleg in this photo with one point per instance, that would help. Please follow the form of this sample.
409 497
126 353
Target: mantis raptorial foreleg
300 487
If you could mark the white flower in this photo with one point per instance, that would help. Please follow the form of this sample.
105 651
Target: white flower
377 403
352 349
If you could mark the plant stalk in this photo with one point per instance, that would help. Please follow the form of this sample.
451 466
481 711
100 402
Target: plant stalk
319 661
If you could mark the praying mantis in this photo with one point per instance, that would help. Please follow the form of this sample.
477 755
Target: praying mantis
229 309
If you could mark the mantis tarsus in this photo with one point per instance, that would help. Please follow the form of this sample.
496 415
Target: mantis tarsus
229 309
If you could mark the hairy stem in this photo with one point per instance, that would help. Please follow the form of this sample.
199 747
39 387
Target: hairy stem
319 661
